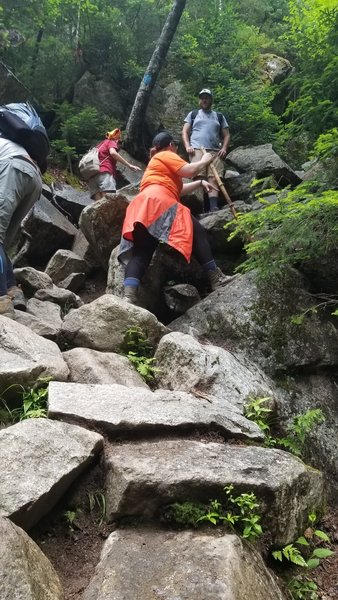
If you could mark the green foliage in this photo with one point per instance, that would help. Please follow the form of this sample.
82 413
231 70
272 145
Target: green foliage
185 514
34 402
307 555
298 431
97 503
256 410
238 513
299 227
70 517
303 588
311 31
326 145
140 352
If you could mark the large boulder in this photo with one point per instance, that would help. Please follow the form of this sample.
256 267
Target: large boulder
101 223
275 68
260 321
39 459
47 230
25 356
177 565
264 161
25 572
103 323
143 477
71 201
185 364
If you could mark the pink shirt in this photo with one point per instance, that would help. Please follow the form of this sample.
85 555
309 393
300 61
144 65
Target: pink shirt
108 165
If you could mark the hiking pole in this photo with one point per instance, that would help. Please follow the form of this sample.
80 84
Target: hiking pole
221 187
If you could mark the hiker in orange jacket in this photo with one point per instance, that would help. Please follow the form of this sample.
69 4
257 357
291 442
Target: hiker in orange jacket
156 214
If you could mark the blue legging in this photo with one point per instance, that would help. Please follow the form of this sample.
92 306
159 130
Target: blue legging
7 279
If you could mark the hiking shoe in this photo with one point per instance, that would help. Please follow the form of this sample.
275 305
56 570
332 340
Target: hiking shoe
218 279
6 307
130 295
17 297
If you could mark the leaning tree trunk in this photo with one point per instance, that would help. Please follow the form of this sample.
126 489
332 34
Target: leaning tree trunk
134 129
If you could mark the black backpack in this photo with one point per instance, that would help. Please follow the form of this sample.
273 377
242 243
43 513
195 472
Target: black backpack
20 123
219 117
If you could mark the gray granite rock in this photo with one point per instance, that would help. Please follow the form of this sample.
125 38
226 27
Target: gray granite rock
26 356
185 364
32 280
143 477
119 410
63 263
39 459
91 366
169 565
25 572
103 323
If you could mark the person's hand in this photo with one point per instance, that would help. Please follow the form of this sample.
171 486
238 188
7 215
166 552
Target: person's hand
190 150
135 168
222 153
208 187
207 158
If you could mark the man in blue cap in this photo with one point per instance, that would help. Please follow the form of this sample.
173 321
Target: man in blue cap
205 128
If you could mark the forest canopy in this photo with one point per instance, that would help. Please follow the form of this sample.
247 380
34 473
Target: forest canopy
51 46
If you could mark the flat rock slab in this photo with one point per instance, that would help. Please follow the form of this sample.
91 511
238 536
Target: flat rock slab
145 476
25 572
26 356
117 409
158 565
39 459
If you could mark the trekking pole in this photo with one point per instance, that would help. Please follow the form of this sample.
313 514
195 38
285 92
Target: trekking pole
221 187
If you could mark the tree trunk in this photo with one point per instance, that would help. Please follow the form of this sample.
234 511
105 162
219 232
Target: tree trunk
134 130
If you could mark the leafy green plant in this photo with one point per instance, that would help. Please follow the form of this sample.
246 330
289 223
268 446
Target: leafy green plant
326 144
307 552
256 410
238 512
299 227
140 353
303 588
70 516
34 401
299 430
97 502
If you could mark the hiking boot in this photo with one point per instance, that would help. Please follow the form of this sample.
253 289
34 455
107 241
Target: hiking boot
130 294
17 297
218 279
6 307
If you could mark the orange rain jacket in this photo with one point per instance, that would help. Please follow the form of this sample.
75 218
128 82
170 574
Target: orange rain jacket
158 207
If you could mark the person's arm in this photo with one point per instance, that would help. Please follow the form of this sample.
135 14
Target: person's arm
116 156
191 169
192 186
186 131
226 139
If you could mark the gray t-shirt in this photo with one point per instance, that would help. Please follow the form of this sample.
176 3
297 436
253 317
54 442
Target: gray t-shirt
206 130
